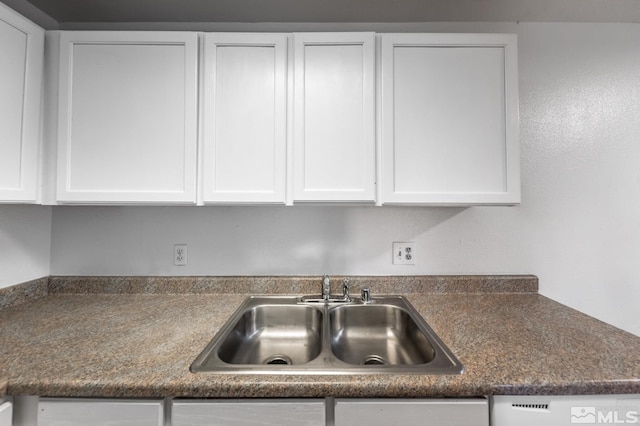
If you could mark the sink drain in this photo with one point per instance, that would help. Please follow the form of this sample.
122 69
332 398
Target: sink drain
278 360
373 360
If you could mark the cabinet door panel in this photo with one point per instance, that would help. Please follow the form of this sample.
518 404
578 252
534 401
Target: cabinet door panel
449 119
246 412
127 129
245 118
437 412
82 412
6 414
334 148
21 58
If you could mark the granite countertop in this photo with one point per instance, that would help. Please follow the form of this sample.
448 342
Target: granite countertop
3 387
141 345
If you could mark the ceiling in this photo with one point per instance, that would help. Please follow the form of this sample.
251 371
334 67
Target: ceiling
340 10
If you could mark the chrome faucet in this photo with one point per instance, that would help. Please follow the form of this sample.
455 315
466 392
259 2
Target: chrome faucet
326 287
326 296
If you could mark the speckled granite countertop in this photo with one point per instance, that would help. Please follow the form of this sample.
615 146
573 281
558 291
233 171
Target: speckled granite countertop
3 387
141 345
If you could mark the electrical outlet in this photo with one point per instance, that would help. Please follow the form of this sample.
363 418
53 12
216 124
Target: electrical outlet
180 254
404 253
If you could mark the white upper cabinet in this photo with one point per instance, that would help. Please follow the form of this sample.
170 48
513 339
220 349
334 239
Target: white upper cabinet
127 117
244 118
449 129
334 117
21 64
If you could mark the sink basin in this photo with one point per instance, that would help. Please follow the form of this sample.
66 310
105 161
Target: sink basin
274 334
286 335
378 335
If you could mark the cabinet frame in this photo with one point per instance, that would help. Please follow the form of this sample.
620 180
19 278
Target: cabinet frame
387 192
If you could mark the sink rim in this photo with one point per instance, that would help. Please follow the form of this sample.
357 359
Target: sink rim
326 363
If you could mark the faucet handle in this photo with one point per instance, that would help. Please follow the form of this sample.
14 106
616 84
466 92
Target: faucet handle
345 290
365 293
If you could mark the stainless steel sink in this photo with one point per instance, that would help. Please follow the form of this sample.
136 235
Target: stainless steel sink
286 335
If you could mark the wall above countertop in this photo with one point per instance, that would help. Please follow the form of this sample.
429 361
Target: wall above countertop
577 227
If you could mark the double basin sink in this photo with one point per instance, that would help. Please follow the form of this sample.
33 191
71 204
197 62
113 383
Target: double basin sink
286 335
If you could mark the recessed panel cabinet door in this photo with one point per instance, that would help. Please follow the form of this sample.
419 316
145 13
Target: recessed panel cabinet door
245 119
6 413
83 412
266 412
127 129
334 123
21 59
412 412
450 119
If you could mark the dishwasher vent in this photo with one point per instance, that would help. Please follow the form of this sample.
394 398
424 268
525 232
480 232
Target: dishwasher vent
532 406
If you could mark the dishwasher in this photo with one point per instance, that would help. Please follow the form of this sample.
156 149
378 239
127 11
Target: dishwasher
565 410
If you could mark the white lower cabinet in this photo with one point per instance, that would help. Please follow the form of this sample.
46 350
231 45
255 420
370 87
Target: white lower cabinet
564 410
6 412
409 412
96 412
276 412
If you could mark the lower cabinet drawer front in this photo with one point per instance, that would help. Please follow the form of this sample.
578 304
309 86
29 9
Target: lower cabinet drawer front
96 412
6 411
284 412
410 412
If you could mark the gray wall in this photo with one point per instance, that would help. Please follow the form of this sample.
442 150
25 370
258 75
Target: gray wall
25 242
578 227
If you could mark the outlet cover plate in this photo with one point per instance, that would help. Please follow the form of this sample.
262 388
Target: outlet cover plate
404 253
180 255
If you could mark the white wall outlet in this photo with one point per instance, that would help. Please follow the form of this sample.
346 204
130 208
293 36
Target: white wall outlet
404 253
180 254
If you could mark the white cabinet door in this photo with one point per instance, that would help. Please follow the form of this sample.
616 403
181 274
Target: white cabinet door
334 110
88 412
6 414
450 119
127 117
245 118
21 63
286 412
410 412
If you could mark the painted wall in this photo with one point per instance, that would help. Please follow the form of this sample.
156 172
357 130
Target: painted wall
25 243
578 227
